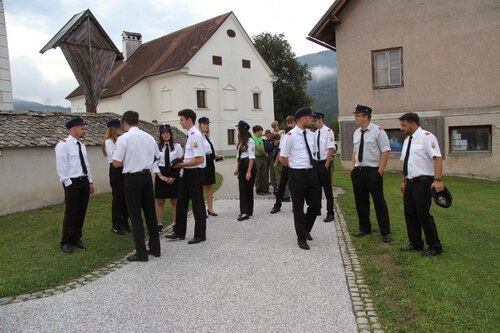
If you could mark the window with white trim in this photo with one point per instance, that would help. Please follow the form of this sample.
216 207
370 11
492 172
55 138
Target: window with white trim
387 68
201 99
470 139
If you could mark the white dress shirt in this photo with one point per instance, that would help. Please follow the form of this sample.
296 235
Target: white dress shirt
326 141
110 146
206 145
173 154
250 152
376 142
68 163
137 150
194 148
424 147
295 148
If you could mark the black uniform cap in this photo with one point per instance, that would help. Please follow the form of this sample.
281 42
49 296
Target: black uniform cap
243 124
302 112
75 122
114 123
362 108
318 115
443 198
204 120
165 127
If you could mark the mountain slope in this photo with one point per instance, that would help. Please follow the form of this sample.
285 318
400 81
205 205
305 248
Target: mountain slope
23 105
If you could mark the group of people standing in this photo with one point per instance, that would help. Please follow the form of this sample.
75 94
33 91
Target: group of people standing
302 158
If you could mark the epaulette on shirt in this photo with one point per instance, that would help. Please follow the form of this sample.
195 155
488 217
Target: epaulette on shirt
192 133
289 133
427 133
380 128
63 140
329 130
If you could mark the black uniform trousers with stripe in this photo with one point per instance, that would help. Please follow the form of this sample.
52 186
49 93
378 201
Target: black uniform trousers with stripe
246 187
191 188
76 199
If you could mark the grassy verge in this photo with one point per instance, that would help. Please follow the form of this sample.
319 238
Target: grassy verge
30 257
458 291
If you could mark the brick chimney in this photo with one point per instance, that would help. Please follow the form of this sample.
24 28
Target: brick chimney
131 42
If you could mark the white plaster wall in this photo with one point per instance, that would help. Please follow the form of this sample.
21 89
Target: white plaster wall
28 177
6 101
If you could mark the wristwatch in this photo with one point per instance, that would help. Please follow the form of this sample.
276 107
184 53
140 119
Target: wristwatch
438 180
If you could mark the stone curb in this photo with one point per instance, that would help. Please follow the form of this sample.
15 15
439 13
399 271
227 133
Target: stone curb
362 304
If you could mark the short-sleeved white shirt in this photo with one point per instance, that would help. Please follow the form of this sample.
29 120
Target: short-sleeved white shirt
137 150
206 145
250 152
173 154
110 146
326 141
68 163
376 142
295 148
424 147
194 148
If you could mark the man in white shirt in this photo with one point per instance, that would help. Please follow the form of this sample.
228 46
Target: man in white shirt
325 140
422 170
298 153
74 173
369 158
190 187
136 151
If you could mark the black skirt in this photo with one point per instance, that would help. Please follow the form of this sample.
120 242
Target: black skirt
164 190
209 171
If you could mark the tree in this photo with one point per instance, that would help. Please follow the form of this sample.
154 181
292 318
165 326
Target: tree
290 88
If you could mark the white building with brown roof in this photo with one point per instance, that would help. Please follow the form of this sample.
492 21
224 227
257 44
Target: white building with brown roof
439 59
211 67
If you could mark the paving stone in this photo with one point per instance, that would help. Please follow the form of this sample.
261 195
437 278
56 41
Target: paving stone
360 314
57 292
372 313
357 302
378 331
358 308
362 320
24 296
373 319
376 325
62 286
17 300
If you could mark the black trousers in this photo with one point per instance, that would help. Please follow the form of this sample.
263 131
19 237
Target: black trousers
190 188
304 186
139 196
119 211
417 204
246 187
76 200
281 186
325 178
366 181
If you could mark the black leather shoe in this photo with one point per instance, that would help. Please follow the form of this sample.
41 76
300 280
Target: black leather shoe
118 231
275 210
196 240
212 213
160 228
154 254
243 217
411 248
303 245
134 257
433 252
308 236
361 234
329 218
386 238
66 248
81 244
174 236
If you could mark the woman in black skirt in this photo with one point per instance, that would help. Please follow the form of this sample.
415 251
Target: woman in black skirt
119 212
209 170
167 179
245 170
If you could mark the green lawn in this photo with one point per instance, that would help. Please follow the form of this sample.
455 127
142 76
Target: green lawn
30 256
455 292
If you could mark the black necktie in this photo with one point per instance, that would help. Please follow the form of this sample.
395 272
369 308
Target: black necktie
319 133
407 157
211 146
311 160
361 146
167 157
82 160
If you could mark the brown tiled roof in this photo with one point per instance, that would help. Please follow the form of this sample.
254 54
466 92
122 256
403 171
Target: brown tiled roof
167 53
46 129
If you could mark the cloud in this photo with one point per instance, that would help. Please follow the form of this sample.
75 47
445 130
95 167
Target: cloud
320 73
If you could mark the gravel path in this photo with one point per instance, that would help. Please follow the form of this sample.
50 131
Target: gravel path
248 276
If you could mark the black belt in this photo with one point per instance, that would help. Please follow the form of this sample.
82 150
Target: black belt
306 170
420 178
79 179
365 167
138 173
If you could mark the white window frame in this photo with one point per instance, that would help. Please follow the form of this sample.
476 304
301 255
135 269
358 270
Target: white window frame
388 68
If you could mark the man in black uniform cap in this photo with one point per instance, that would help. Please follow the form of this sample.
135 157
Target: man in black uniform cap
74 172
298 153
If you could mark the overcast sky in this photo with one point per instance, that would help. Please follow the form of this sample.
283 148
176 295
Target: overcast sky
48 79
